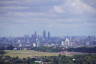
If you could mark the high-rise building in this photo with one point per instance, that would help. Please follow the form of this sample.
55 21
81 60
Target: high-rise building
37 42
35 34
44 34
48 35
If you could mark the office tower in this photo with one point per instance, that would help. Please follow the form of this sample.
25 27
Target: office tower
48 35
35 34
44 34
37 42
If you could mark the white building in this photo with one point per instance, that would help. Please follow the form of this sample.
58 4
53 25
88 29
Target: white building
34 44
66 43
62 43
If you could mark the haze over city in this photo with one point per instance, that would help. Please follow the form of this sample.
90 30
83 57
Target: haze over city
60 17
47 31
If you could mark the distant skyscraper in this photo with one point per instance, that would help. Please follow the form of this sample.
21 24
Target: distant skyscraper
48 35
37 42
44 34
35 34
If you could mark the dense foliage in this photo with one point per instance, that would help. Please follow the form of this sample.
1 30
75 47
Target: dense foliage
2 52
48 49
83 49
59 49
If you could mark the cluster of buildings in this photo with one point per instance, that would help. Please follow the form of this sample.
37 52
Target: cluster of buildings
35 40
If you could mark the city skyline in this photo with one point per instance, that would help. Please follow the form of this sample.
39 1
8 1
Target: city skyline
60 17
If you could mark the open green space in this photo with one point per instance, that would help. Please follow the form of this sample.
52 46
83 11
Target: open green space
27 53
32 53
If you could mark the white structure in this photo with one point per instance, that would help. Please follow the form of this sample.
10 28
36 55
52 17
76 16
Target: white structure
34 44
66 43
19 41
62 43
38 43
20 45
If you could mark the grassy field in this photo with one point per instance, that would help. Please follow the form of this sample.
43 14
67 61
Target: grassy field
28 53
31 53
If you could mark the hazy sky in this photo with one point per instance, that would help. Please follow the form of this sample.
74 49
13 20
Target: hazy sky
60 17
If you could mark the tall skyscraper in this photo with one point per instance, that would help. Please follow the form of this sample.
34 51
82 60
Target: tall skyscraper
37 42
35 34
48 35
44 34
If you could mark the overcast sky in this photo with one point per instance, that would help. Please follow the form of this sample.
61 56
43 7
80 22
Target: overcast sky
60 17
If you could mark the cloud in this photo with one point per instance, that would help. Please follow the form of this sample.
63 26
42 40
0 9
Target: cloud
74 7
59 9
90 2
64 7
